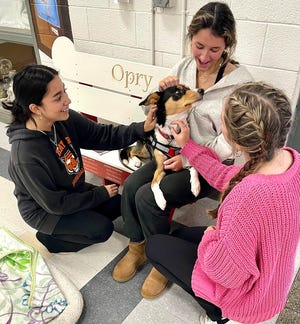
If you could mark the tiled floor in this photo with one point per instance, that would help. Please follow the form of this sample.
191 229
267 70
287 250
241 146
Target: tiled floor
90 270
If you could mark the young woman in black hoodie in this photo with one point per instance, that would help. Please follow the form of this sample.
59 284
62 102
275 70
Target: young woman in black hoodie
46 165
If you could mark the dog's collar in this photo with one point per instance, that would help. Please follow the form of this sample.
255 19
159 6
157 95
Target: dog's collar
168 137
167 150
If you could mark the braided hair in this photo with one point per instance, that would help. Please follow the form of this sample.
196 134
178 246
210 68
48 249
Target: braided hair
257 117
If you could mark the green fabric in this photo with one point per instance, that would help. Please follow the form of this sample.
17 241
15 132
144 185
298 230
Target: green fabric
28 292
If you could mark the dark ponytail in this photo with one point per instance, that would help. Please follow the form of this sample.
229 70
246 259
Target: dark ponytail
29 87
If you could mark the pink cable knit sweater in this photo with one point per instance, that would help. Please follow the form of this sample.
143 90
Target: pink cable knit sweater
246 265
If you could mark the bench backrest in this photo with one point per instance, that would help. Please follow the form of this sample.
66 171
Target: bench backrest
107 88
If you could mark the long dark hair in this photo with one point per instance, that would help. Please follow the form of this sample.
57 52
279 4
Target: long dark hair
218 17
29 87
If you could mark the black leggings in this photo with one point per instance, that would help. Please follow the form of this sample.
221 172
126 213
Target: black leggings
142 216
79 230
175 256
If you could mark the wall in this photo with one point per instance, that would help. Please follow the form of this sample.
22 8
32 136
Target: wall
13 14
268 34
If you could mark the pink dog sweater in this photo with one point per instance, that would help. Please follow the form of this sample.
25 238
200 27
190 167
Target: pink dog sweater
246 265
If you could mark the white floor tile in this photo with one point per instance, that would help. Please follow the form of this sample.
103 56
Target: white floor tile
9 213
82 266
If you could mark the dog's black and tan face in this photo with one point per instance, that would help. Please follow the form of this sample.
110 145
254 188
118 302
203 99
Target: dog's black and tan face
173 100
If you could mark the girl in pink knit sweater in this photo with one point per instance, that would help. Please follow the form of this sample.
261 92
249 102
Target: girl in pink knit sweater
242 268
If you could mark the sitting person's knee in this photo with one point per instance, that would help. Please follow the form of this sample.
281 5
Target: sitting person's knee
102 232
153 244
143 193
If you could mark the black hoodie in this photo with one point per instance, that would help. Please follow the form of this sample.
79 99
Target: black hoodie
50 181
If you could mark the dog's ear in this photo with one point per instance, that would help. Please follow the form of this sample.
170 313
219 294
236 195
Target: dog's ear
151 99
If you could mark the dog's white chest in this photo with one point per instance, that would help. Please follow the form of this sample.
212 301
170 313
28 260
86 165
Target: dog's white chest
163 135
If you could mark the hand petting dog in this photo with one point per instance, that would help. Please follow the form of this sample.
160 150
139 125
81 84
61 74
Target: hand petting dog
183 135
167 82
151 120
174 163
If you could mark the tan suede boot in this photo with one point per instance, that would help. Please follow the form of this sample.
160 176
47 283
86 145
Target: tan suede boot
126 268
154 284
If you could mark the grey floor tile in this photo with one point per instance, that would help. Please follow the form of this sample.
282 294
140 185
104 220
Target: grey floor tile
4 163
288 316
110 302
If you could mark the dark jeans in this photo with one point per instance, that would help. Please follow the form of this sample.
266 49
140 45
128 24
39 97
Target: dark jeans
76 231
140 212
175 256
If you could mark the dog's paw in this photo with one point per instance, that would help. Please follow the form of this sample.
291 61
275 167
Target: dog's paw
136 162
133 163
159 196
195 183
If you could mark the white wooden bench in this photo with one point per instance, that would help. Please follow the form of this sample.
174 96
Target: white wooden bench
107 90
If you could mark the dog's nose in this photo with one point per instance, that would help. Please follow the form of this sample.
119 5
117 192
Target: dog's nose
200 91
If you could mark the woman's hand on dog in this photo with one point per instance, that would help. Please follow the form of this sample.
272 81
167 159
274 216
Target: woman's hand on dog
112 189
167 82
183 135
151 120
174 163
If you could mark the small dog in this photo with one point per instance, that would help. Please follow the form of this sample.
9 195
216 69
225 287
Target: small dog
172 104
